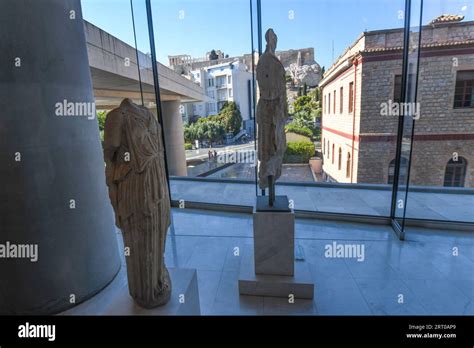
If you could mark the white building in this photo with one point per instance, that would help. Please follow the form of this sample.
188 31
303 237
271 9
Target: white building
223 82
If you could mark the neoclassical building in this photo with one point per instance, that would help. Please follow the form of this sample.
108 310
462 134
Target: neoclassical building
359 140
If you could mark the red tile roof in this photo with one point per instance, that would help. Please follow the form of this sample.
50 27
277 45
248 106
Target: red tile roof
447 18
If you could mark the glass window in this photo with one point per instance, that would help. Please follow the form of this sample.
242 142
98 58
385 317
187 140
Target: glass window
220 81
348 165
221 95
341 98
464 90
339 160
351 96
329 103
455 174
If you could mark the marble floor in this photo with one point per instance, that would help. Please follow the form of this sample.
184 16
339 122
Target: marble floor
421 205
414 277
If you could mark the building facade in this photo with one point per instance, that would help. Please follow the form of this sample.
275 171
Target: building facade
359 138
222 83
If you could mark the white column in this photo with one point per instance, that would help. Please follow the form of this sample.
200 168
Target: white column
174 138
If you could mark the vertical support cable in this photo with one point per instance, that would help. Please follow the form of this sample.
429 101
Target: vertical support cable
136 52
154 66
254 92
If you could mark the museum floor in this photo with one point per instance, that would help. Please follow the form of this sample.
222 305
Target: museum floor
416 276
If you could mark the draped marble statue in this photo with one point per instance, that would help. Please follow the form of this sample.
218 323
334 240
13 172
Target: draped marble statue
272 112
138 191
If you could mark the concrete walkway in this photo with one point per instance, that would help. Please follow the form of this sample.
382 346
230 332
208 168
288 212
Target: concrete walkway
421 205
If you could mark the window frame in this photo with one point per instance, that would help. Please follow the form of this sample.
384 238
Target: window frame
351 97
464 94
341 99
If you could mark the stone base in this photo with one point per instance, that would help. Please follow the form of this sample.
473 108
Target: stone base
300 285
116 300
274 241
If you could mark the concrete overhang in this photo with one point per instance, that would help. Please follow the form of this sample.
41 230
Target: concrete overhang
115 73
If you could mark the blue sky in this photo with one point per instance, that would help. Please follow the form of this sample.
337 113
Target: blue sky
196 26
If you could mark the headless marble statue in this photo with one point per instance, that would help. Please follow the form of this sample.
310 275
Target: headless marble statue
272 112
138 191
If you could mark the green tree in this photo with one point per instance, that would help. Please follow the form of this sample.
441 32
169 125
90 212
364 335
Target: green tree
214 127
316 94
213 55
214 131
230 117
305 89
101 115
189 132
304 103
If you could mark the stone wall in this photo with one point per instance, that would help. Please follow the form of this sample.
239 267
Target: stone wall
374 160
286 57
430 34
436 84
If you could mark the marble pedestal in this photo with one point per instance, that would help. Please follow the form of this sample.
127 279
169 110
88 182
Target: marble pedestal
274 241
269 268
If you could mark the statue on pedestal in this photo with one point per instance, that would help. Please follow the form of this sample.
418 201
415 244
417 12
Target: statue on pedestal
138 190
272 113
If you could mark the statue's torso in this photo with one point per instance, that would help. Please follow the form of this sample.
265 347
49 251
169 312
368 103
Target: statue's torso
271 77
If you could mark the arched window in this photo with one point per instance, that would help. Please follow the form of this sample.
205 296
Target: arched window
403 170
332 158
339 160
348 165
329 149
455 173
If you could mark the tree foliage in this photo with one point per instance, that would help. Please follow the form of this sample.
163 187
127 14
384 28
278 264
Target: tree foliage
231 117
214 128
213 55
101 115
304 103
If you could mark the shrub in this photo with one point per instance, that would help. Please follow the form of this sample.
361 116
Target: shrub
188 146
292 137
301 130
299 152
